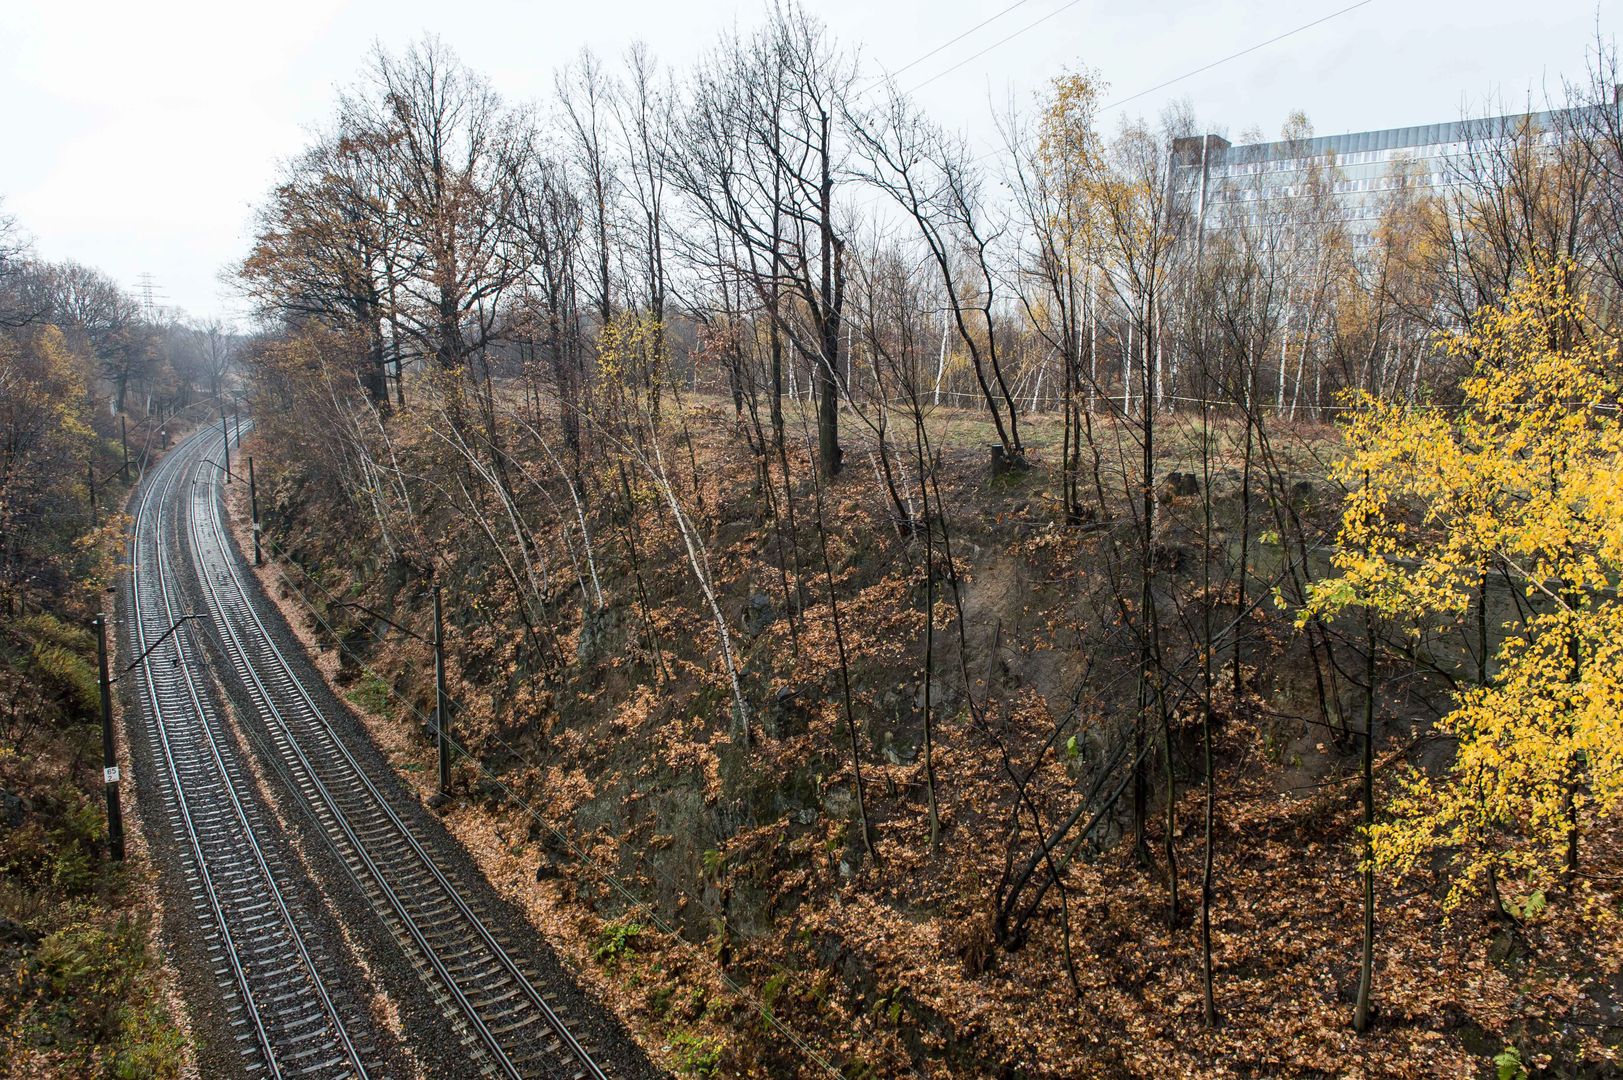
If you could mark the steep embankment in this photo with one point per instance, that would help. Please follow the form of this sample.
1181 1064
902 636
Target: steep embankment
84 991
712 879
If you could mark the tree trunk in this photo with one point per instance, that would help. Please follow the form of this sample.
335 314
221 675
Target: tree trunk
1366 963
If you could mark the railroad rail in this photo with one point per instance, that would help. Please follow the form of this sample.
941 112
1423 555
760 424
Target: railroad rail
286 1021
514 1029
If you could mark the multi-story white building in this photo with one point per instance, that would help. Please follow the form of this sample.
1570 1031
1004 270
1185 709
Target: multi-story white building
1350 176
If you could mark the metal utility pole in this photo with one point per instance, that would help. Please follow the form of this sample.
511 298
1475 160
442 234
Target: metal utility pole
109 759
442 710
226 431
253 503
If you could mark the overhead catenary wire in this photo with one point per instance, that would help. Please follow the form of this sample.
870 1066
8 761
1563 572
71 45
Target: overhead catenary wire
637 903
1234 56
997 44
574 849
1119 102
1141 93
948 44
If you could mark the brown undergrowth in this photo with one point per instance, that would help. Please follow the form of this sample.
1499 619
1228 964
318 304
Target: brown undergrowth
84 988
712 885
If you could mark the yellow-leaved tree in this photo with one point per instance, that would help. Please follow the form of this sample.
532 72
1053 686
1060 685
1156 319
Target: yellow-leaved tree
1522 483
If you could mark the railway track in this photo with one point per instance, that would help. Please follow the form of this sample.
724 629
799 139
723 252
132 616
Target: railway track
284 1019
510 1027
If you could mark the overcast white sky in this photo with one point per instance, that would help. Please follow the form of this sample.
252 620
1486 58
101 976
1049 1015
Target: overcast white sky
137 136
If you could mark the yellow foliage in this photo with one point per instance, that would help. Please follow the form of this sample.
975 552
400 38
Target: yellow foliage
1525 479
1070 159
630 359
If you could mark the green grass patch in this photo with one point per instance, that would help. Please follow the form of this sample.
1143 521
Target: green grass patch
370 695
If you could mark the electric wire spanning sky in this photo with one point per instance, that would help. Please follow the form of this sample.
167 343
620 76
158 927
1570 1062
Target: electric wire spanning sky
139 137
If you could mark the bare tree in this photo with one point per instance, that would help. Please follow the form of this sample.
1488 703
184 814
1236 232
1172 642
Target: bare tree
643 106
217 348
17 308
88 303
932 177
586 93
760 155
548 227
449 145
326 245
1139 230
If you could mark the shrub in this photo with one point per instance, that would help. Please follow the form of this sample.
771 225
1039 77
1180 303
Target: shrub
47 628
659 999
68 676
81 1003
615 940
697 1055
149 1046
90 966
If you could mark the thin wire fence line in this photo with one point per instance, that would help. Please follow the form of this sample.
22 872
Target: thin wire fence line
975 398
1450 406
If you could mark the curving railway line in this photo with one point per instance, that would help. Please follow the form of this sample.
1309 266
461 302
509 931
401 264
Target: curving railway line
286 1019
